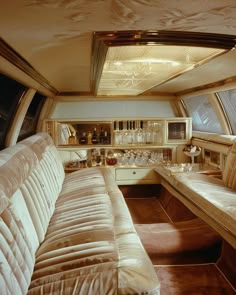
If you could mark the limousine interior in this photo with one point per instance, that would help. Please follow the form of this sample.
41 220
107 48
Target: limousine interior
118 147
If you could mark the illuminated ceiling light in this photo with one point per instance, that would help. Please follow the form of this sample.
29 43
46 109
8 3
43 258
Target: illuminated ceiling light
123 64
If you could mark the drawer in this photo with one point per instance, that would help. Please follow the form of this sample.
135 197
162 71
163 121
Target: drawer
135 174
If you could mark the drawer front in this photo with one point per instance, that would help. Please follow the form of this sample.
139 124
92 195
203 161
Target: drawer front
135 174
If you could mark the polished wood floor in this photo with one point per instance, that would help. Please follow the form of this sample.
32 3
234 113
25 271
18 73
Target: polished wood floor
198 279
186 265
146 210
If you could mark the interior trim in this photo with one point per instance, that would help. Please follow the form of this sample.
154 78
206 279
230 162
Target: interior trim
16 59
121 38
215 85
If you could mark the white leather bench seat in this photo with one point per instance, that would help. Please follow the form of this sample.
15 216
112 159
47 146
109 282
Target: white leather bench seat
66 234
216 201
210 198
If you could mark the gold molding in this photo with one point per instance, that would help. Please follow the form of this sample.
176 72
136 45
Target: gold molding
151 37
90 94
217 84
75 93
17 60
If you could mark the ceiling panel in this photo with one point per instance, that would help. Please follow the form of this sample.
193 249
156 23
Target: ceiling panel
55 36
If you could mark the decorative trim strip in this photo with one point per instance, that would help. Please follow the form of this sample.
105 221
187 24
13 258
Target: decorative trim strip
17 60
208 86
121 38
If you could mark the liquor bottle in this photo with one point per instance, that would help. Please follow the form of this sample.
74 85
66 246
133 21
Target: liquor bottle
102 136
129 133
139 133
133 132
149 133
107 138
116 133
94 136
89 137
72 138
83 139
125 133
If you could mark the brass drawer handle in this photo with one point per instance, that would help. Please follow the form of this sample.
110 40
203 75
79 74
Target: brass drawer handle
134 172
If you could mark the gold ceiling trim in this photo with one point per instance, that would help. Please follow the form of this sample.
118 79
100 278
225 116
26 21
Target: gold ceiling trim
110 49
118 38
217 84
17 60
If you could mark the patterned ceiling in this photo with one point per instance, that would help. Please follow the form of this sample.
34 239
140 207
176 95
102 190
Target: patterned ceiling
55 36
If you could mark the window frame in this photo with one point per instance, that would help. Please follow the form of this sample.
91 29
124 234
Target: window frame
15 102
34 122
224 110
217 107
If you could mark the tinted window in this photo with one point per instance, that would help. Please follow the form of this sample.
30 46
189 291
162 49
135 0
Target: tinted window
30 121
228 100
203 115
10 95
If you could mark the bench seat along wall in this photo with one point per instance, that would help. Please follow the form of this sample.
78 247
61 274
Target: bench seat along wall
31 178
66 234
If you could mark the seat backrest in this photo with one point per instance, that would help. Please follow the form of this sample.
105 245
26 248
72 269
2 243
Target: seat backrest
31 178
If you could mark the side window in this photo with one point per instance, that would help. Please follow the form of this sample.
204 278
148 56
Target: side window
10 95
203 115
31 118
228 100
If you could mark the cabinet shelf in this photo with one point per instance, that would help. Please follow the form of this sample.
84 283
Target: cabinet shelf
162 137
120 133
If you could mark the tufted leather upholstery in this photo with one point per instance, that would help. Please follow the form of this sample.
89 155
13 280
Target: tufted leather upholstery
68 234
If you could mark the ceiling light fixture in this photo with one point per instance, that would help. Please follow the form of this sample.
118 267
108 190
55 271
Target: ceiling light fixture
123 64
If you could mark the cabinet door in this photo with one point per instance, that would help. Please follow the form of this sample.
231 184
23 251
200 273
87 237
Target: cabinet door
136 175
179 131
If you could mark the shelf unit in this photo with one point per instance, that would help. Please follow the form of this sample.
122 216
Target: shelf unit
161 136
122 132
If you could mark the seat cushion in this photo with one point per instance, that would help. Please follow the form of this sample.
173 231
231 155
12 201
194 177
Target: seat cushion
215 202
91 246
